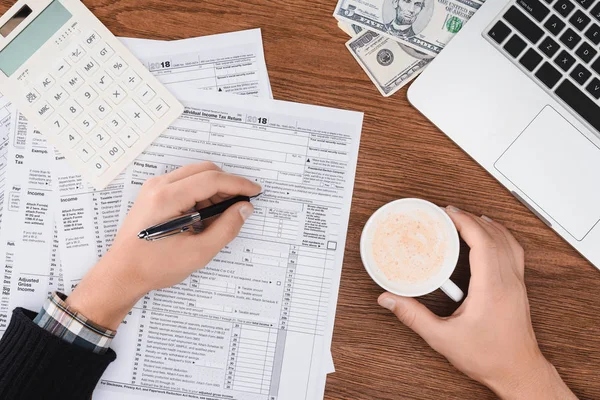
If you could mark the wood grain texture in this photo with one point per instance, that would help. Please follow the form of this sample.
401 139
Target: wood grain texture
401 155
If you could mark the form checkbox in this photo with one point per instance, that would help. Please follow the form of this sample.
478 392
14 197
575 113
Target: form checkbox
331 245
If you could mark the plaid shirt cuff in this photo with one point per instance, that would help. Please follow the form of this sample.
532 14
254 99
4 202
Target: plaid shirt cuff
72 327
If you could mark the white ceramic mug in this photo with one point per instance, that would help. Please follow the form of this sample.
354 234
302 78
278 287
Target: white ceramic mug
440 280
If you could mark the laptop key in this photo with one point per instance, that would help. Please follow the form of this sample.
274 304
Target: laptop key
564 60
515 46
535 8
596 65
594 88
580 74
554 25
548 75
530 59
499 32
579 20
579 102
564 7
523 24
570 38
586 52
596 11
549 47
585 3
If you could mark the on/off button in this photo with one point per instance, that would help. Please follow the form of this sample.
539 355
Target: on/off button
91 38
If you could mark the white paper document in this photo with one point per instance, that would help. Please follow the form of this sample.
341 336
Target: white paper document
257 322
7 118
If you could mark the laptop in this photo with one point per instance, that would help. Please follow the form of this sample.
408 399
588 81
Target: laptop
518 89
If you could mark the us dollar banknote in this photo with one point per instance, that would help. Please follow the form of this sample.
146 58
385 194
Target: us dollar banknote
389 64
425 25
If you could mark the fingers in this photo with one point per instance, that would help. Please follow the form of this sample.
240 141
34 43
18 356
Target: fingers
414 315
189 170
471 230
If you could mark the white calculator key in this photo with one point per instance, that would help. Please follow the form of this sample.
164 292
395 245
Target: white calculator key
72 109
73 80
85 152
58 95
91 39
131 80
44 110
101 109
100 137
159 107
89 66
129 137
75 53
115 123
32 96
113 152
117 65
85 123
57 124
116 94
70 138
103 80
145 93
103 52
99 166
86 95
137 115
61 68
46 82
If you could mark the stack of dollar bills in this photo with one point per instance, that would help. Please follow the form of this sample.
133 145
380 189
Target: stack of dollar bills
394 40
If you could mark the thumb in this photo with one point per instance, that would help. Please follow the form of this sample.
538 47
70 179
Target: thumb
413 314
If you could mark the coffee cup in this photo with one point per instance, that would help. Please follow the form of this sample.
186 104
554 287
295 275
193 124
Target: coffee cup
410 247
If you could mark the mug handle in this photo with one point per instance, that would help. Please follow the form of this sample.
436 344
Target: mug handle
453 291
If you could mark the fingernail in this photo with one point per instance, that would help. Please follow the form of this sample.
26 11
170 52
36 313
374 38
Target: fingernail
387 302
486 218
246 211
453 209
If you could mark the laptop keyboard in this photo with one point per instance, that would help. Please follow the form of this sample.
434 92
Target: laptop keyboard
556 43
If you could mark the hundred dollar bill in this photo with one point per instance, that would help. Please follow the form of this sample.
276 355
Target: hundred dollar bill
388 64
425 25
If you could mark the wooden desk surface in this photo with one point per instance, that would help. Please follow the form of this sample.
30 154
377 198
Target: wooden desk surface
401 155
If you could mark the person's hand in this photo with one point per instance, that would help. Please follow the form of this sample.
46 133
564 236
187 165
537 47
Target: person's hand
490 337
132 267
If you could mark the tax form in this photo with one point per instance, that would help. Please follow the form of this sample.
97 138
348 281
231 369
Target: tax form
7 118
254 324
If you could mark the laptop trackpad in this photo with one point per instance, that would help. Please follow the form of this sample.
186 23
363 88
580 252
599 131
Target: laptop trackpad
558 169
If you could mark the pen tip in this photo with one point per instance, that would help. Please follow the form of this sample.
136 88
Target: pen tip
142 235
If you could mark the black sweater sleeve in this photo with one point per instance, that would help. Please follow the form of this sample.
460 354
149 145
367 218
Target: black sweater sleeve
34 364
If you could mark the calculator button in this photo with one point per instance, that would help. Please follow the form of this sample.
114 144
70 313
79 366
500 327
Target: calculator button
89 66
116 94
137 115
129 137
32 96
85 152
91 39
99 166
86 95
70 138
145 93
85 123
115 123
76 53
101 109
113 152
117 65
102 80
73 81
44 110
104 52
159 107
46 83
100 138
57 125
58 95
61 68
72 109
131 80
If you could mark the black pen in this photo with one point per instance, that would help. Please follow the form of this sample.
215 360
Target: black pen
184 223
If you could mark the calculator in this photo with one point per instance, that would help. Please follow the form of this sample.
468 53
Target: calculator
80 87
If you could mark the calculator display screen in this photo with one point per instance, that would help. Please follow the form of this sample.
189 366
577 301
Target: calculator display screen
33 37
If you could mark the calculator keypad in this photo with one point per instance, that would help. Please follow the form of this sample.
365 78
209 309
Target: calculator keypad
94 103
